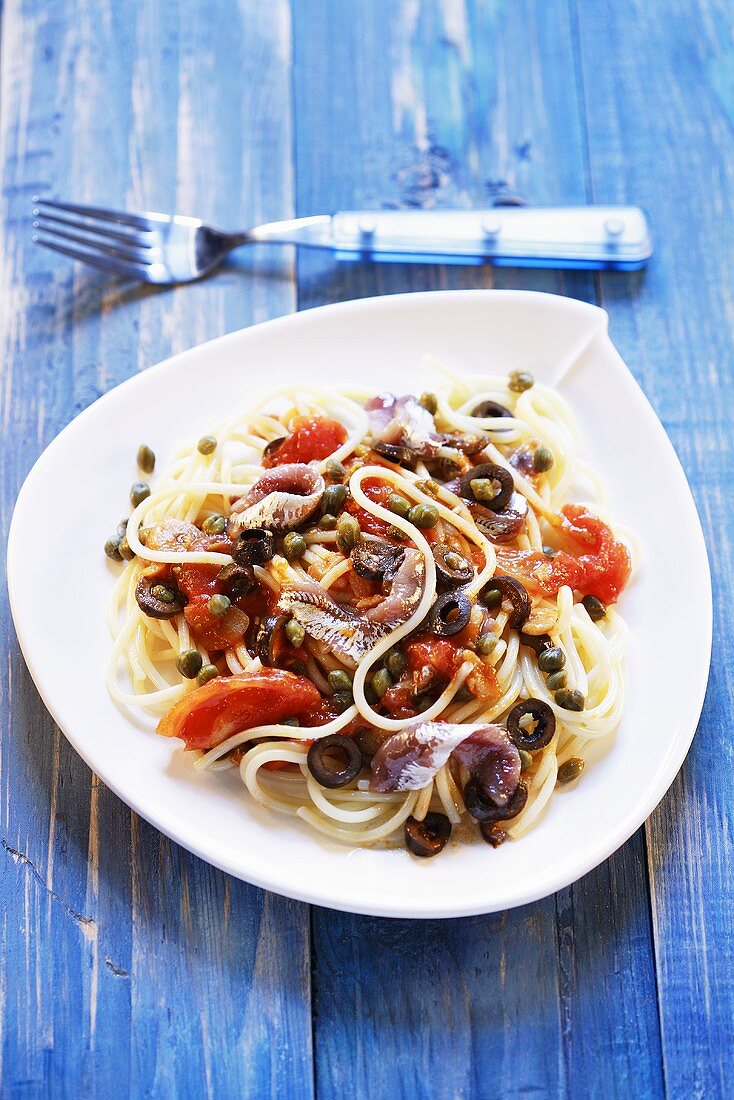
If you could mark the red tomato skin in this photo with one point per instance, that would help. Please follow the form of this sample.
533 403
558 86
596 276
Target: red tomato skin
209 714
379 492
312 437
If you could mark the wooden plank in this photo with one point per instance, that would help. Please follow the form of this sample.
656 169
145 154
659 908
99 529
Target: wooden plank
430 104
677 158
127 965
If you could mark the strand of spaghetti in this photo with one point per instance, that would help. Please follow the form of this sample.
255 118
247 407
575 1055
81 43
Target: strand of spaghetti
337 813
423 802
368 836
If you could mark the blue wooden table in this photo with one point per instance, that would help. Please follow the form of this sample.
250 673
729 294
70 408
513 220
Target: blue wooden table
128 967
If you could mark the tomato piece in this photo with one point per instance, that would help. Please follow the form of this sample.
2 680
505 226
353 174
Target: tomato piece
399 701
312 437
197 580
215 631
376 490
433 654
601 569
208 715
483 683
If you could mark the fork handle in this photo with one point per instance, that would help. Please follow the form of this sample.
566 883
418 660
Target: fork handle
592 237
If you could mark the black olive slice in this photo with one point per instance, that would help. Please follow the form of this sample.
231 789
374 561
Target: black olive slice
469 443
268 636
394 452
273 447
325 769
237 579
537 642
443 468
452 568
489 471
513 591
450 613
545 725
482 808
490 408
373 560
158 600
427 837
254 547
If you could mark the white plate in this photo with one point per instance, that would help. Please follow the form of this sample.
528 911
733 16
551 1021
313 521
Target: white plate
76 493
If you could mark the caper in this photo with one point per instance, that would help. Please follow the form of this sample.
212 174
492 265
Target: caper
428 486
549 551
570 770
189 663
121 528
380 682
219 604
334 470
556 680
327 522
347 532
570 699
207 673
399 505
146 458
492 597
423 515
342 700
214 525
333 500
520 380
484 488
290 722
206 445
396 533
542 459
423 702
138 493
463 695
294 546
595 608
162 592
125 550
551 660
340 680
143 533
486 643
525 759
112 549
396 663
295 633
429 401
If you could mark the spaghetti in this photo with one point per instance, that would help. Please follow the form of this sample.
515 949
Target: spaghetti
383 611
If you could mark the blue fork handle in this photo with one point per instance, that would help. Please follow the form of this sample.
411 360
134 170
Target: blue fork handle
591 237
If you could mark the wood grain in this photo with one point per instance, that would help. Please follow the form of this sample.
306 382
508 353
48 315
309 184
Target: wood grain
128 966
676 335
434 105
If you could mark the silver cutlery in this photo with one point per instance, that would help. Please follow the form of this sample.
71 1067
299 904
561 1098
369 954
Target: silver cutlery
167 249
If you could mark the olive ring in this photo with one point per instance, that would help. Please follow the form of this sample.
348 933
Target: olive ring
450 613
427 837
490 471
545 725
482 808
325 771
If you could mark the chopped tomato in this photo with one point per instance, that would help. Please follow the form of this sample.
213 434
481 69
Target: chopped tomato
376 490
312 437
208 715
399 701
434 656
197 580
602 568
215 631
482 682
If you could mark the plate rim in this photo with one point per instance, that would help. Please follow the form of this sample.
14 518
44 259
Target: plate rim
275 877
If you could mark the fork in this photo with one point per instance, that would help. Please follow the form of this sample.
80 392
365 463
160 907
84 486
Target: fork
167 249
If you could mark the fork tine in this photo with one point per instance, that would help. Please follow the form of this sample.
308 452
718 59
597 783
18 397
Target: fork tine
137 221
133 253
142 239
106 263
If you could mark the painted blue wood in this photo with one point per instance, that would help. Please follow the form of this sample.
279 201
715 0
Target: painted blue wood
677 157
127 966
444 103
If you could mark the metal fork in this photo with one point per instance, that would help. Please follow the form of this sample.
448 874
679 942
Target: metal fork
166 249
